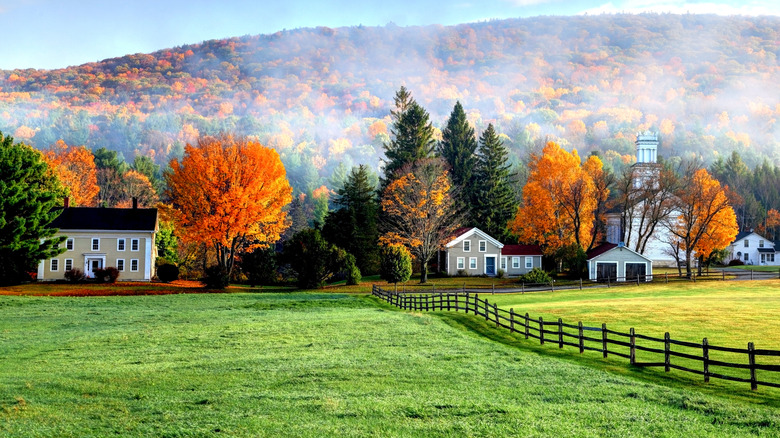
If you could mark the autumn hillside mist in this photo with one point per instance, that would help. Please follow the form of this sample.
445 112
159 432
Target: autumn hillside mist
707 84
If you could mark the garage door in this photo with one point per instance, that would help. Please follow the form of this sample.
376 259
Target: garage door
634 270
606 271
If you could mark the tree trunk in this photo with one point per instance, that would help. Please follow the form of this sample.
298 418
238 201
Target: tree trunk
423 272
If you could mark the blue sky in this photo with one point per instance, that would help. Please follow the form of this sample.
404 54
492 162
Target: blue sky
59 33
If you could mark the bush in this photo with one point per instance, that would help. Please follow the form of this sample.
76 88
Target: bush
106 275
736 262
396 264
462 273
500 273
353 272
216 277
75 275
168 273
535 276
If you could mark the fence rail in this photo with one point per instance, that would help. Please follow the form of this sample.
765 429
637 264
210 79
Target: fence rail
609 342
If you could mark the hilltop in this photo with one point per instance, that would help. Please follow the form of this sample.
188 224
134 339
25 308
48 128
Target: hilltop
707 84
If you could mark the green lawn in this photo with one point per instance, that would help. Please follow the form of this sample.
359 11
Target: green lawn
316 364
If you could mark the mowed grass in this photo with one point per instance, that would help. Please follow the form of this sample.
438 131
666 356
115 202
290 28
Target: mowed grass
728 314
312 364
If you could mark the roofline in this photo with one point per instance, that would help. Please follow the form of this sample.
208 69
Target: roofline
472 231
622 247
91 230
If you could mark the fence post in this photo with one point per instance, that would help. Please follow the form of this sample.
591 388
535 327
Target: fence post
667 356
580 283
637 280
666 275
632 343
604 339
511 320
560 333
434 287
476 306
486 310
752 363
552 285
541 331
607 281
705 354
751 274
464 287
527 324
495 313
522 288
492 288
581 339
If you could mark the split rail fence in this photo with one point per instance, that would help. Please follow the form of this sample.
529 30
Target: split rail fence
699 358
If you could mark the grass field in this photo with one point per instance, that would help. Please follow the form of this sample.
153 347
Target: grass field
315 364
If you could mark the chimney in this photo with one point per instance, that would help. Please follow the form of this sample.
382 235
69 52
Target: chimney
135 203
66 202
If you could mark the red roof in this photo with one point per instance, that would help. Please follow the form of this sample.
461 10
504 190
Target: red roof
601 249
527 250
461 231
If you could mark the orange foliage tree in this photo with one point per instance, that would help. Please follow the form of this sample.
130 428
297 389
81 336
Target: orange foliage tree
229 192
560 200
418 210
136 185
75 168
705 221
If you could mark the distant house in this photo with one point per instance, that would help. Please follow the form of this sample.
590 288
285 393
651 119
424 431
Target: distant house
474 252
615 262
753 249
98 238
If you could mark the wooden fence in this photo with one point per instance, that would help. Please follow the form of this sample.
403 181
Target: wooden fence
600 339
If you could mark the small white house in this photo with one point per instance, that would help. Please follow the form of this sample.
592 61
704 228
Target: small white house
474 252
616 262
753 249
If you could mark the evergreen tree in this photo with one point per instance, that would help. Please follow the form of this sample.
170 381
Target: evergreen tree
412 135
29 190
493 200
353 225
457 147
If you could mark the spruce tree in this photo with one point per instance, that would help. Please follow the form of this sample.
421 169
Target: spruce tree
493 201
28 192
457 147
412 135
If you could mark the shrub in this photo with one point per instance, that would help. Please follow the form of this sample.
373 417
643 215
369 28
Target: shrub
313 259
736 262
462 273
216 277
500 273
396 264
168 273
106 275
353 272
75 275
536 276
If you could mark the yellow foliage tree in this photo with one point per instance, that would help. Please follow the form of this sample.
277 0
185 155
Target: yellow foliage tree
229 192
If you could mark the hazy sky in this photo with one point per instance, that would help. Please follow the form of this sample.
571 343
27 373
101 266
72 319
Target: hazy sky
59 33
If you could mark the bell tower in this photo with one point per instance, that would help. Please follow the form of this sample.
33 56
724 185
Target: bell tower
646 168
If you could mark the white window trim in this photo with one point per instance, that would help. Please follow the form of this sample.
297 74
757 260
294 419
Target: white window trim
122 267
461 263
503 263
760 243
466 246
483 246
136 265
54 265
515 262
92 244
135 243
747 243
124 244
70 244
529 260
66 264
473 263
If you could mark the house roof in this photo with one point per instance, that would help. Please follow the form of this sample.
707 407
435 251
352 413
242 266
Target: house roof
766 250
94 218
743 234
462 233
528 250
607 247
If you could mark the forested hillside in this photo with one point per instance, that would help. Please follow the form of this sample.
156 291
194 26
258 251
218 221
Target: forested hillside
323 96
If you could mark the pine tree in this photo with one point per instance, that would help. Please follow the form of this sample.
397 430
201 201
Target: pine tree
457 147
29 190
412 135
493 200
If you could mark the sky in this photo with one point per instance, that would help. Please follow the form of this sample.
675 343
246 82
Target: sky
49 34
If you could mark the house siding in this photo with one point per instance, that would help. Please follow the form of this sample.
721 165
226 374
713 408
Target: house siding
456 251
621 256
513 272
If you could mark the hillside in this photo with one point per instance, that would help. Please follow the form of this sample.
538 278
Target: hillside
322 96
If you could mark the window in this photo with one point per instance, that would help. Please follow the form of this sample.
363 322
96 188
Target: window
461 263
69 244
770 257
482 246
134 265
472 263
68 264
120 265
134 245
746 257
503 263
529 263
760 243
516 262
55 265
747 243
95 244
466 246
120 244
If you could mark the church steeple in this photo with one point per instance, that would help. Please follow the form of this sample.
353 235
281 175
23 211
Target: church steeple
646 148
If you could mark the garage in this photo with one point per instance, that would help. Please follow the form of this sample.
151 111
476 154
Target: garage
615 262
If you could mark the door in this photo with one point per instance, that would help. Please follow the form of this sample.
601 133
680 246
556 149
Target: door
490 265
92 266
606 271
634 270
